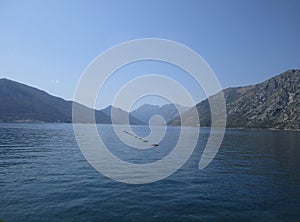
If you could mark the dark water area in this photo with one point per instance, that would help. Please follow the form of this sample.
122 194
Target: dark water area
44 177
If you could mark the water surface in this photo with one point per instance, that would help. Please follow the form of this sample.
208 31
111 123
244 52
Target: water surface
44 177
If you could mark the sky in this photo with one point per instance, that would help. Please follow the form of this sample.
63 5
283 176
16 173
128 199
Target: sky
49 44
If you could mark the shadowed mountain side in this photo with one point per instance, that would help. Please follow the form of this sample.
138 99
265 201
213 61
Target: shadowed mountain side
22 103
274 103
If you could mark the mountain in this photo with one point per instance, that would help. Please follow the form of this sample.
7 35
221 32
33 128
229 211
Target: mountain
274 103
167 111
120 115
22 103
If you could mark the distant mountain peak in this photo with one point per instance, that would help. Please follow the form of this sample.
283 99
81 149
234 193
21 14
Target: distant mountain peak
120 115
167 111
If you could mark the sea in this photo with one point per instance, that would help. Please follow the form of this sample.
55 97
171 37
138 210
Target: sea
44 176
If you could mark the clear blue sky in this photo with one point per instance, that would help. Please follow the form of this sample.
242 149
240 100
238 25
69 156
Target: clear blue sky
48 44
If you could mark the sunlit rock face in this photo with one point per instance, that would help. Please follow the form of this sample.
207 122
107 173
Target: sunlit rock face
274 103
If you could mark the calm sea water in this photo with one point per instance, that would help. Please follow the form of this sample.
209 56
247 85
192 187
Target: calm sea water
44 177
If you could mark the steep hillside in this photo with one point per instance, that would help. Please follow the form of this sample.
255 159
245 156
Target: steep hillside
274 103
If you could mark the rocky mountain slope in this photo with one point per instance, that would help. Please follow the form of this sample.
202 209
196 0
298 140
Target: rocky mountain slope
274 103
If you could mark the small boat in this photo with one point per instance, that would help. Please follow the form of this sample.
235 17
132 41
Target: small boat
154 144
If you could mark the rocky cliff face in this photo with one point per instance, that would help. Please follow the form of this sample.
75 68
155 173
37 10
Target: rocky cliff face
274 103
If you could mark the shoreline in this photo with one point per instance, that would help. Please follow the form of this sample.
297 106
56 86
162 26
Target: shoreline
239 128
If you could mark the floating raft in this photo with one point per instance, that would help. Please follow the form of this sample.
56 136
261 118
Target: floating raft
140 138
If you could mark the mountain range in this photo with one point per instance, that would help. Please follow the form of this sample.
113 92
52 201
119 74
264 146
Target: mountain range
22 103
167 111
120 115
274 103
